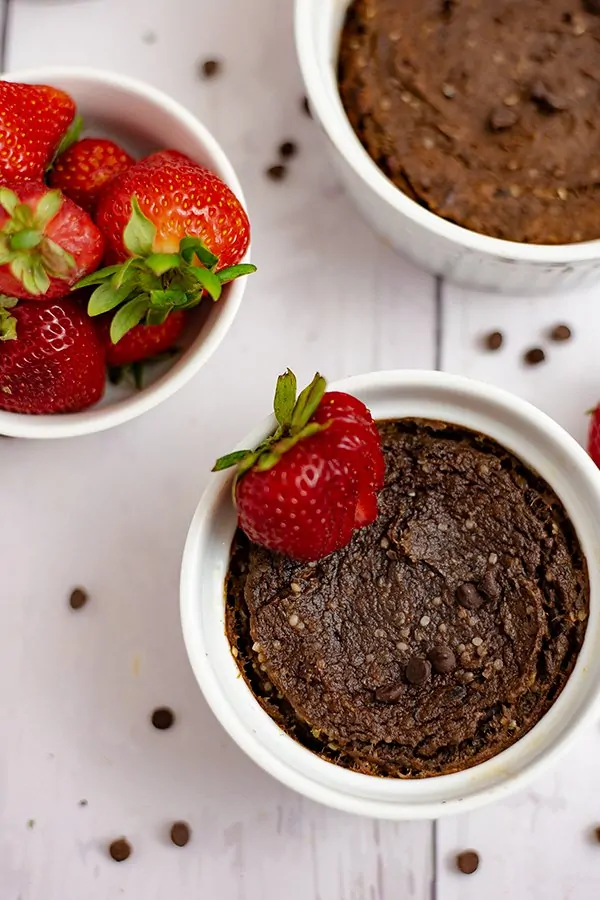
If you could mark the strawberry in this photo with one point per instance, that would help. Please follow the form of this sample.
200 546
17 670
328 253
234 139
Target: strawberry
174 231
82 171
308 487
51 360
142 342
46 242
594 435
34 119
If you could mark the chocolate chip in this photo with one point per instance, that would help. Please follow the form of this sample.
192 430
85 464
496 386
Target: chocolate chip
288 149
306 107
535 356
180 833
78 598
502 117
276 173
546 99
83 802
561 332
210 67
489 586
597 833
592 6
494 340
390 693
467 862
120 850
469 597
163 718
442 659
418 670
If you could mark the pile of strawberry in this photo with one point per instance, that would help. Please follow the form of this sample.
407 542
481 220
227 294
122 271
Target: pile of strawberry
168 232
309 486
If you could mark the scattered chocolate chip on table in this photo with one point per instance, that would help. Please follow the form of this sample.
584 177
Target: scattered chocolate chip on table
120 850
288 149
467 862
494 340
306 107
210 67
561 333
534 357
277 172
163 718
78 598
180 833
597 833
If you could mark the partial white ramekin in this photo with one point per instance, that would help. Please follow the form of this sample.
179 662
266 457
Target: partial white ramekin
143 119
458 254
541 444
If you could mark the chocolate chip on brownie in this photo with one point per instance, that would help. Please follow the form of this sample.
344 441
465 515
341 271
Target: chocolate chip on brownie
389 693
469 597
489 585
502 117
442 660
547 100
467 862
418 670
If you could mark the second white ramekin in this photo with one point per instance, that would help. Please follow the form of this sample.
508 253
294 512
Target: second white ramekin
462 256
541 444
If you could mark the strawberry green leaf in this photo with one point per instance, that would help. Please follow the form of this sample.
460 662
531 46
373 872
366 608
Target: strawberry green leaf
70 136
159 263
233 272
57 261
130 315
26 239
105 298
193 246
308 402
208 280
31 274
98 277
231 459
168 299
8 323
285 398
8 200
124 272
47 208
7 302
157 316
139 233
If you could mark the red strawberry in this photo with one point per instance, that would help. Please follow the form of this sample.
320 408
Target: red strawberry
46 242
306 489
34 119
51 360
84 170
142 342
594 435
174 231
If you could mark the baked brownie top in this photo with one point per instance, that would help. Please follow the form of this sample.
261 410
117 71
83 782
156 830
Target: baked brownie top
441 634
484 112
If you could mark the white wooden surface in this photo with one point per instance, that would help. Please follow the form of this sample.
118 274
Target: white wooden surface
110 512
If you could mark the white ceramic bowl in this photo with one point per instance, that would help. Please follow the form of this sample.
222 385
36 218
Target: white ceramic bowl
542 445
143 120
458 254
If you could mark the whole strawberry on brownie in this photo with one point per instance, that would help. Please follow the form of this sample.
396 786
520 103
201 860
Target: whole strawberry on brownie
309 486
86 167
51 360
35 120
174 232
47 242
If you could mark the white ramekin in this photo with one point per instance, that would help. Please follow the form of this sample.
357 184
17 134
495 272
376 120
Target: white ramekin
143 119
458 254
541 444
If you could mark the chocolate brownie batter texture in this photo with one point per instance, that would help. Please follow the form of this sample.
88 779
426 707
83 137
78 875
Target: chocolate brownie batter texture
484 111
